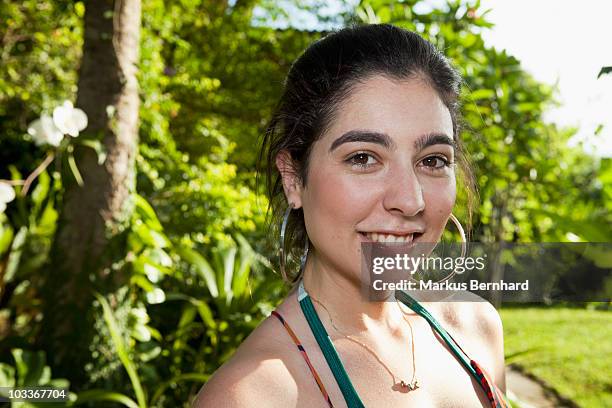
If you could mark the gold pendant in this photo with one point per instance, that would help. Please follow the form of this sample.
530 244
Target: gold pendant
409 387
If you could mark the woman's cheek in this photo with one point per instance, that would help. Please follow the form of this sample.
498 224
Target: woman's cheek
336 199
325 200
439 203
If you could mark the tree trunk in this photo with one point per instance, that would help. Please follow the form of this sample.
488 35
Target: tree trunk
93 216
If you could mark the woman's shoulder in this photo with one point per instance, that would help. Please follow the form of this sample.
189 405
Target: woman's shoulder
469 313
477 326
260 373
485 319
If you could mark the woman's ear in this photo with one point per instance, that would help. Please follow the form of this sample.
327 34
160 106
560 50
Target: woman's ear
291 181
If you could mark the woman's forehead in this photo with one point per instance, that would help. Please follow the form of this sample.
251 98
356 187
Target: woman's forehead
403 109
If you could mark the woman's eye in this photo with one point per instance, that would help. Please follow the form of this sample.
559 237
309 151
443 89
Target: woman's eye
436 162
362 160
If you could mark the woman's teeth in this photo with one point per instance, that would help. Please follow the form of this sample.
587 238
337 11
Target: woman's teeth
375 237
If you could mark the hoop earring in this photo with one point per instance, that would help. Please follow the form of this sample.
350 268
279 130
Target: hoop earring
463 245
283 251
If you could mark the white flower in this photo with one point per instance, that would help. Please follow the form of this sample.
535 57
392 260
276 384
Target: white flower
7 194
156 296
69 120
44 131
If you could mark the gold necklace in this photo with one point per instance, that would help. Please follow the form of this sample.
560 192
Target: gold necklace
403 386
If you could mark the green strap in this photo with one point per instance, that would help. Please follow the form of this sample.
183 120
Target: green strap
329 351
412 303
333 359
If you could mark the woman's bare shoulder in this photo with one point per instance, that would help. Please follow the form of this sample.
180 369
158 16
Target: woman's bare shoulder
481 316
260 373
246 382
477 323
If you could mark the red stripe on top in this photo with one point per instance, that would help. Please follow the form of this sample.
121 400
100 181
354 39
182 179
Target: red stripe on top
305 355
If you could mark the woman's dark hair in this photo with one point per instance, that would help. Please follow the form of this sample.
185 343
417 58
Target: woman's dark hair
322 78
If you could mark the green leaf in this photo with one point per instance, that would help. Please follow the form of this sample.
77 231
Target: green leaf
47 223
97 146
59 383
79 9
104 395
159 240
599 254
146 213
149 351
203 309
7 375
202 266
481 94
153 272
589 230
15 254
41 191
247 258
149 236
187 316
6 237
30 367
117 339
527 107
142 282
604 71
75 170
229 264
159 257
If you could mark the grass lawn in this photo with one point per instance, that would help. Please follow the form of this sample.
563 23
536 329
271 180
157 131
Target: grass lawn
570 349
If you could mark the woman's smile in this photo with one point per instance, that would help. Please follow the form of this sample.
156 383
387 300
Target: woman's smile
391 236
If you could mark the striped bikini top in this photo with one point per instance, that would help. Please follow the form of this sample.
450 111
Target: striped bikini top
496 397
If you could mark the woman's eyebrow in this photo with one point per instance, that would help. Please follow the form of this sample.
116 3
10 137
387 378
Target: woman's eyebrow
384 140
431 139
363 136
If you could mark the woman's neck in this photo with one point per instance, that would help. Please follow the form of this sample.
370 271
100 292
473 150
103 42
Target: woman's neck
343 298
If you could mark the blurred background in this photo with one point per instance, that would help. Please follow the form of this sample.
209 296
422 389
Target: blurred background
134 250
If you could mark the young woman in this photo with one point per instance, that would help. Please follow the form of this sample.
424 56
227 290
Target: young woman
365 146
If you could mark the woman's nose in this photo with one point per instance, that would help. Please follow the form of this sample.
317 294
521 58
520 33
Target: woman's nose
404 193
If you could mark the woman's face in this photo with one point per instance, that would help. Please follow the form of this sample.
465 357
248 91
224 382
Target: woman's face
383 171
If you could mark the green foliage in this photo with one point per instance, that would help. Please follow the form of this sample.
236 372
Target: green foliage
26 235
210 61
228 293
30 370
122 353
40 43
221 292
